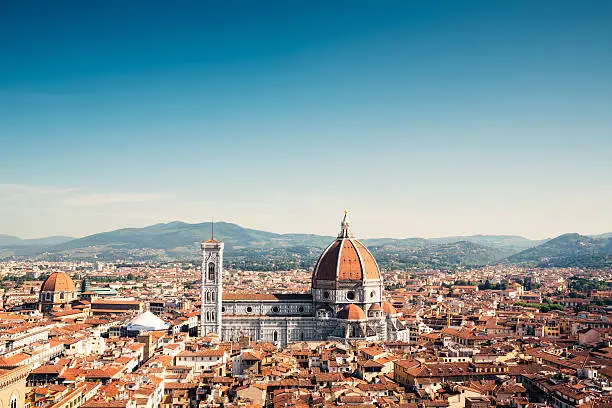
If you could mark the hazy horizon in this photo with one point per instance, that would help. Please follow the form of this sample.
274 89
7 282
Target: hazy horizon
331 234
424 119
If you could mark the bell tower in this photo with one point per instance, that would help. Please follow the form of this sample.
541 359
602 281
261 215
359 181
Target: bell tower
212 287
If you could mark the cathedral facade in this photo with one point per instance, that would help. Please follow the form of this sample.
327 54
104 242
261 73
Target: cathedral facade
345 301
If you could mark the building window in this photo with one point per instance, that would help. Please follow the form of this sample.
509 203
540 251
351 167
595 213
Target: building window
275 336
350 295
211 271
223 309
372 294
301 309
275 309
326 295
13 403
62 295
249 309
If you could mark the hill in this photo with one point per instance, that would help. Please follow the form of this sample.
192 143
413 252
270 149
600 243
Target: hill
180 241
568 250
432 255
508 243
251 248
11 245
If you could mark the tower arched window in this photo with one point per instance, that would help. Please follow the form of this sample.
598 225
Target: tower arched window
213 296
211 271
207 316
207 297
62 295
13 403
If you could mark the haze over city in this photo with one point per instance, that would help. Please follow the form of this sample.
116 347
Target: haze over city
424 119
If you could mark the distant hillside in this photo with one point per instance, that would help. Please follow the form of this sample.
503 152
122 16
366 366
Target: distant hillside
568 250
250 248
8 240
15 246
173 235
513 243
460 253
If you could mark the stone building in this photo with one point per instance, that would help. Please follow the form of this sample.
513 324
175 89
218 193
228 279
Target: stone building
345 301
57 291
13 387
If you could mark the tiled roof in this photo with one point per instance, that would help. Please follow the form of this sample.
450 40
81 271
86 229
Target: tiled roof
58 282
346 259
352 312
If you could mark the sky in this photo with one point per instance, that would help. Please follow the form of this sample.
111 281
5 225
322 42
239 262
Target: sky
422 118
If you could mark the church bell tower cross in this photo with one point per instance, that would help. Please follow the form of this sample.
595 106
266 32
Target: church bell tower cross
212 287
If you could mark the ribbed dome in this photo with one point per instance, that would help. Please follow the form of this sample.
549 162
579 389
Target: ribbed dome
352 312
346 259
58 282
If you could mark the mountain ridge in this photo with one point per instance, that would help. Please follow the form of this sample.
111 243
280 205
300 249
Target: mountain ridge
178 240
567 250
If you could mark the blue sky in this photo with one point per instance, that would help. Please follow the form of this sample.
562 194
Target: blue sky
423 118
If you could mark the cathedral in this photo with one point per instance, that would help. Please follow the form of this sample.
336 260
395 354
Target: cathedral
345 301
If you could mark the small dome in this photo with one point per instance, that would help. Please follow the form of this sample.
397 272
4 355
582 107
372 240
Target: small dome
58 282
376 308
388 308
352 312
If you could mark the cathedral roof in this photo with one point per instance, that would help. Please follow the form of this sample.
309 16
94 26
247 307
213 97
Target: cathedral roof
346 259
376 307
352 312
58 282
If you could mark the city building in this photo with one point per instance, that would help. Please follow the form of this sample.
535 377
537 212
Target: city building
345 301
13 387
57 291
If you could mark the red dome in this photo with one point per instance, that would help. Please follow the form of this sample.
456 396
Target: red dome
58 282
376 308
352 312
346 259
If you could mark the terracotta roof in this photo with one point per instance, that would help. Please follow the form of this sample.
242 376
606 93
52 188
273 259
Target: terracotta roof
352 312
58 282
388 308
346 259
